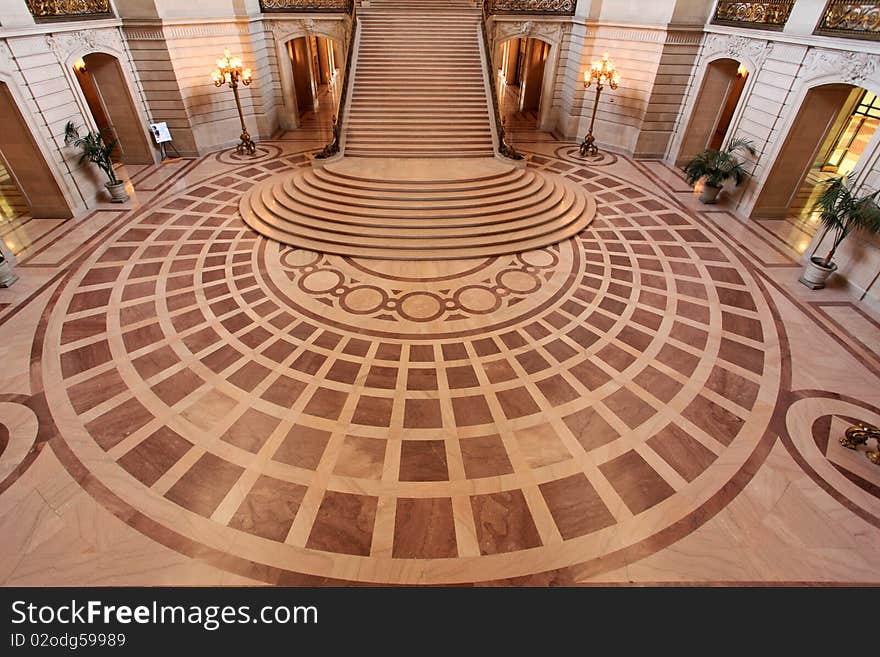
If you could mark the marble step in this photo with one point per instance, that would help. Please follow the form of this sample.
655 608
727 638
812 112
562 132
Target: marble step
529 190
419 64
499 224
413 153
472 209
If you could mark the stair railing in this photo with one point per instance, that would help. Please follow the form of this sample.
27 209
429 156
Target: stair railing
504 148
333 146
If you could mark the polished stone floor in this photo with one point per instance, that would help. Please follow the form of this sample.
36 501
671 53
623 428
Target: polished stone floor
655 400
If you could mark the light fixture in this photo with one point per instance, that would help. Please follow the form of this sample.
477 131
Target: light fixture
79 66
229 71
742 71
601 72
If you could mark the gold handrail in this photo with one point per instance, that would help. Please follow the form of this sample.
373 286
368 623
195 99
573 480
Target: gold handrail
332 147
504 148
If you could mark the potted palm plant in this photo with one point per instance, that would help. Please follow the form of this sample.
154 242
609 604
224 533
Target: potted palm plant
714 167
841 212
97 151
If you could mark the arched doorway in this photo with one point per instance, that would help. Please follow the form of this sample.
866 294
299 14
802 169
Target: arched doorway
112 108
522 64
831 131
314 67
715 105
27 184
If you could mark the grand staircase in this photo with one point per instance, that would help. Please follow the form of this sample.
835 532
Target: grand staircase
419 88
419 179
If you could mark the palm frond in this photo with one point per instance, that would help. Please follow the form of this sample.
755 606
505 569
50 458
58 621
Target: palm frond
94 149
841 212
716 166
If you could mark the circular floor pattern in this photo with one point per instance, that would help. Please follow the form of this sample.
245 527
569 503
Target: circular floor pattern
816 425
395 422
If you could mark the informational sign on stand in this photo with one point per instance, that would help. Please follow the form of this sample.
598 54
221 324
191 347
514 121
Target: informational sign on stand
160 132
162 135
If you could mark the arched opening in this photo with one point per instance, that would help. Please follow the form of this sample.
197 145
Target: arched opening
521 64
314 63
833 126
27 184
110 103
714 108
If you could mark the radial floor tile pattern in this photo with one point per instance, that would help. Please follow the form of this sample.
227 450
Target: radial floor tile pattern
543 417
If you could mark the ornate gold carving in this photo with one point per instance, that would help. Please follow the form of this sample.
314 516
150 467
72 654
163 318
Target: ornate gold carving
306 5
763 15
860 434
564 7
69 8
860 20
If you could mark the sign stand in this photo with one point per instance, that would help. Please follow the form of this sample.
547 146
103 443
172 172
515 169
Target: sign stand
164 152
162 136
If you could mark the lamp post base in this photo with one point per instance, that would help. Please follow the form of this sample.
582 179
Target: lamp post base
588 147
246 145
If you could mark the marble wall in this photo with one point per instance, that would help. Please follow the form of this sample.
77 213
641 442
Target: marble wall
167 51
783 67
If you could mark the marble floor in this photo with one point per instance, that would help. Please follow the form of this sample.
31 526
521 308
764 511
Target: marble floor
655 400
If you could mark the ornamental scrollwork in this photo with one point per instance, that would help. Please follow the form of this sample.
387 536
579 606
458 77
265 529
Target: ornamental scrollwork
853 19
45 9
305 5
763 15
561 7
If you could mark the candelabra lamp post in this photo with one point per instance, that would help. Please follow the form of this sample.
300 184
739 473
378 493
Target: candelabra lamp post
230 72
601 72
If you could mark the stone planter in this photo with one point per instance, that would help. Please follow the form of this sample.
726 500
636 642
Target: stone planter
710 194
117 192
815 273
7 277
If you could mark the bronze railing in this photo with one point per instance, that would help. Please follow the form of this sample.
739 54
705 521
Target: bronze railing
504 148
43 10
332 147
762 15
558 7
311 6
857 20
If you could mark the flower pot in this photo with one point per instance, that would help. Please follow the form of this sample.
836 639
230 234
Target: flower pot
815 273
117 192
7 277
710 194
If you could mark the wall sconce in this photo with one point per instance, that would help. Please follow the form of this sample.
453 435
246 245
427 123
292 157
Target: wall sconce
79 66
601 72
742 71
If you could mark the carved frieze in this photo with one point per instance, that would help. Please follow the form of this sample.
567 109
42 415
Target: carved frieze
737 47
853 67
549 31
67 43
